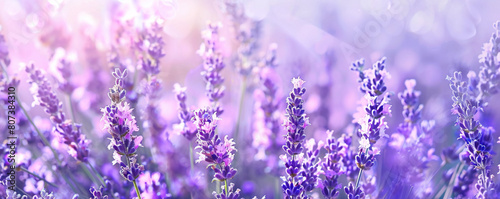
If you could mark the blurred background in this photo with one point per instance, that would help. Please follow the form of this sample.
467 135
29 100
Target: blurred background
316 40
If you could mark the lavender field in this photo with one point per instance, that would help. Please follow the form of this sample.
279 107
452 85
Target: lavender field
229 99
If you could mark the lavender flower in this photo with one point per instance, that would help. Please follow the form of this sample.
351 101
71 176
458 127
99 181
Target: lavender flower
212 65
120 123
354 193
477 138
98 193
311 166
295 124
152 45
372 124
411 109
247 33
64 67
70 133
216 152
186 127
489 73
266 124
332 166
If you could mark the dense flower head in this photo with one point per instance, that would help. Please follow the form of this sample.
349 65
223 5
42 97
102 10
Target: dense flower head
216 152
71 135
295 123
376 101
354 193
477 138
98 193
332 166
213 63
311 165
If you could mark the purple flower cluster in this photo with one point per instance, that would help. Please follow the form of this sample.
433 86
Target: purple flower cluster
216 152
477 138
120 123
213 63
332 166
69 131
371 121
294 124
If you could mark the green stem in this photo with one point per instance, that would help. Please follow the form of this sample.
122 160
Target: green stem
135 184
97 174
359 177
87 172
44 140
225 186
137 189
191 158
37 176
4 68
22 191
70 103
449 189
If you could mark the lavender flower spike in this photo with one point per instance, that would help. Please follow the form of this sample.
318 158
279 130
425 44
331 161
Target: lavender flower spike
295 124
489 72
477 137
216 152
70 133
376 108
120 123
212 65
186 127
332 166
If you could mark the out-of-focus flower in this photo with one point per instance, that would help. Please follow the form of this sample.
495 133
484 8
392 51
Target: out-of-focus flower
266 116
186 126
213 63
70 133
4 51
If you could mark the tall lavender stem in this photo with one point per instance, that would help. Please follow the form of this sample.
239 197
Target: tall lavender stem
294 124
120 123
372 121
